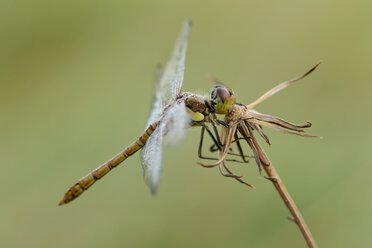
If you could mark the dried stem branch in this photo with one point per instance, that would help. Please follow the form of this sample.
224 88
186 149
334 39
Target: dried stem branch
288 201
246 119
273 176
297 217
263 160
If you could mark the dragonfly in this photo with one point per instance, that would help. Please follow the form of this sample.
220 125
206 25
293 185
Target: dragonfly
172 112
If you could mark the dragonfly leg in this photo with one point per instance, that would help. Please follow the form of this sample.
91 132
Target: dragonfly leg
223 123
234 123
240 148
216 133
213 148
240 104
216 139
200 155
200 149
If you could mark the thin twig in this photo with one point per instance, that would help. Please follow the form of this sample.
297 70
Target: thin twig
273 176
286 197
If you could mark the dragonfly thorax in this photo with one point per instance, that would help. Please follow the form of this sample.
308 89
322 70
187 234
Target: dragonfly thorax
197 106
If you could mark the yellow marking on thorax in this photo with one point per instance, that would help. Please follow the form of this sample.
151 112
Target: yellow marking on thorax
195 116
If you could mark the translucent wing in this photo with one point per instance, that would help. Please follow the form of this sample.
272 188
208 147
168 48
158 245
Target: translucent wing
172 79
169 82
157 107
175 118
170 130
151 158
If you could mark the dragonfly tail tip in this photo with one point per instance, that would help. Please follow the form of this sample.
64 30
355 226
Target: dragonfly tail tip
61 202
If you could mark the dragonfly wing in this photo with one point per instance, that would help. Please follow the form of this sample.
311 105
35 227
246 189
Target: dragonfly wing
170 131
174 119
169 82
177 120
151 158
172 78
157 106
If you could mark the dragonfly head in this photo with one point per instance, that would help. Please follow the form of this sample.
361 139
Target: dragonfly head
222 98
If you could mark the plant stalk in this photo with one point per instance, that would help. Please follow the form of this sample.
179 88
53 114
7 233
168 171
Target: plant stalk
273 176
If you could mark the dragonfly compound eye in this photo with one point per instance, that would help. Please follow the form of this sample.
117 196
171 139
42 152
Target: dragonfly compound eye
222 94
223 98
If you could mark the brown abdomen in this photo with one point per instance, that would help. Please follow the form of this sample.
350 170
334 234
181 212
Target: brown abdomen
87 181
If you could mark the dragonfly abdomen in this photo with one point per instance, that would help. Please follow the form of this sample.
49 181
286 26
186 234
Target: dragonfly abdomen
87 181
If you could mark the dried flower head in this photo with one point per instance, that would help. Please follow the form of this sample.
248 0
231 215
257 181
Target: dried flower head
244 119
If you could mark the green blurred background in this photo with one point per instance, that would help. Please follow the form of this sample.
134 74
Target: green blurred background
76 85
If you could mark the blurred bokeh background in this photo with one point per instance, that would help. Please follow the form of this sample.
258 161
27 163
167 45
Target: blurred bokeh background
76 86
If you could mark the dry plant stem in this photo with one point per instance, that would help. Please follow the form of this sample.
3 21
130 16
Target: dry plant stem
248 120
273 176
245 120
283 192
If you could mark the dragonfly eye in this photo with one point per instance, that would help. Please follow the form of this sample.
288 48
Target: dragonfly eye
223 98
223 94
